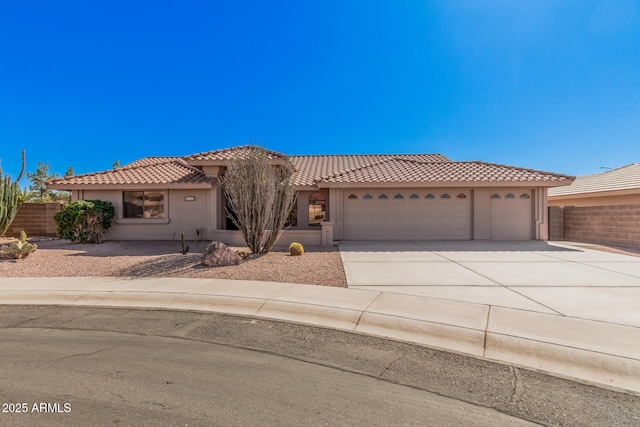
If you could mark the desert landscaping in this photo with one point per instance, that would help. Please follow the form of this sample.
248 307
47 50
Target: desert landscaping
320 265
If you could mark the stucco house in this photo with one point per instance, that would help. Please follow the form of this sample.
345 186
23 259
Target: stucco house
339 197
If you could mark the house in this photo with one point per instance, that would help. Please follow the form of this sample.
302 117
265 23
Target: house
620 186
339 197
601 208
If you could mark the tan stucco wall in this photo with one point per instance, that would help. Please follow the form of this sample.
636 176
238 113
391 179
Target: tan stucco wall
180 216
306 237
204 212
626 199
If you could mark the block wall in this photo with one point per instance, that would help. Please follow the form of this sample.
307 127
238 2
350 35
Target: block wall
36 219
609 225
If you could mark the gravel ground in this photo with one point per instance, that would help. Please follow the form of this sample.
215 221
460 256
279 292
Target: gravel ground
319 265
613 249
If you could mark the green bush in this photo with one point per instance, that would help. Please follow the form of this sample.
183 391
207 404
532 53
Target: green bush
84 220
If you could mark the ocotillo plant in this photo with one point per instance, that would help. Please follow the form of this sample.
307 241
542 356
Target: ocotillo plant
9 198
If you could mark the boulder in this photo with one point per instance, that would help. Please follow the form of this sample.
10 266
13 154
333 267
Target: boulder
218 254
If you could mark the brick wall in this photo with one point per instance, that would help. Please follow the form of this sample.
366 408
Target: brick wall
36 219
610 225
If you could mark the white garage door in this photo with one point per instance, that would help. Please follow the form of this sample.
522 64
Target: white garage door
511 215
407 214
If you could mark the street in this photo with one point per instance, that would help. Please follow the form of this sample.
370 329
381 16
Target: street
89 366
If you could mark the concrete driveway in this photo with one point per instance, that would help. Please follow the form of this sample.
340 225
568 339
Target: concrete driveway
531 275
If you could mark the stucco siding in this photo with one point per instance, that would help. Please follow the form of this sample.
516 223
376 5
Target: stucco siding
595 200
234 237
180 216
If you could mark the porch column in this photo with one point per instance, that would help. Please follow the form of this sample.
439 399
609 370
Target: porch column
335 211
327 233
541 214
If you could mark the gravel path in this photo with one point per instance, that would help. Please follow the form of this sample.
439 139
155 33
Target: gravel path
319 265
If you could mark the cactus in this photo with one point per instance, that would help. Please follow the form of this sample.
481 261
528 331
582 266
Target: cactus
19 249
241 254
10 199
185 249
296 249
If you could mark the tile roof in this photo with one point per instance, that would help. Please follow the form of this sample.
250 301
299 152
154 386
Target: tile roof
402 170
310 169
623 178
228 153
149 170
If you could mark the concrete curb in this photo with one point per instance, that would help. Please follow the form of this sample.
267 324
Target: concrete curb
600 353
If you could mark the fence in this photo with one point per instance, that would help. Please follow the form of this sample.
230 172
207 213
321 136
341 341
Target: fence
36 219
609 225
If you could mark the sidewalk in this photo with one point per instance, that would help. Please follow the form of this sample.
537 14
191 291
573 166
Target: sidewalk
590 351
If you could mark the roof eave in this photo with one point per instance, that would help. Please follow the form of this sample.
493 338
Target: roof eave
132 186
441 184
602 193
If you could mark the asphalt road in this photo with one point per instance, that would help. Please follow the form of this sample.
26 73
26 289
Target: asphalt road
88 366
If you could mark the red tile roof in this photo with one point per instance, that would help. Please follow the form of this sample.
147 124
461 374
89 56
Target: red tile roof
401 170
314 170
228 153
311 169
150 170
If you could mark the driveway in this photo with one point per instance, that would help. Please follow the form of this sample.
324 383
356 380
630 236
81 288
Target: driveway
536 276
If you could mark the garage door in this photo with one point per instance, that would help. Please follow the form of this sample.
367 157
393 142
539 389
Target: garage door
511 215
407 214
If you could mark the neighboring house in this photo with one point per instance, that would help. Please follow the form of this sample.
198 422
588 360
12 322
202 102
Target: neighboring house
619 186
600 208
341 197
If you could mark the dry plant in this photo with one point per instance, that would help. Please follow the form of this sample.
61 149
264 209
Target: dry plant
260 195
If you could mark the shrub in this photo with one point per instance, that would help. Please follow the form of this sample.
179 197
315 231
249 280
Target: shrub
257 185
84 220
296 249
19 249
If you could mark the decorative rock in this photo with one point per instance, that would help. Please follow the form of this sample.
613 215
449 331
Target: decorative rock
218 254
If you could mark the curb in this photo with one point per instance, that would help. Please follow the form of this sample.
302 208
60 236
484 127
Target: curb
603 354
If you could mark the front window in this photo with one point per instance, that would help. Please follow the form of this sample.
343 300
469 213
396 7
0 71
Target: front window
317 209
292 219
143 204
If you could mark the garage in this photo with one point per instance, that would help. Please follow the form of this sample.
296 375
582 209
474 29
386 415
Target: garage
416 214
511 215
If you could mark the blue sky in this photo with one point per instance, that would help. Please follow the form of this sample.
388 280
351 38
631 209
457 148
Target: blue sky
551 85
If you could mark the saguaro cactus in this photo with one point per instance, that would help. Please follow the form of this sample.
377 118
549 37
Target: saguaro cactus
9 198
